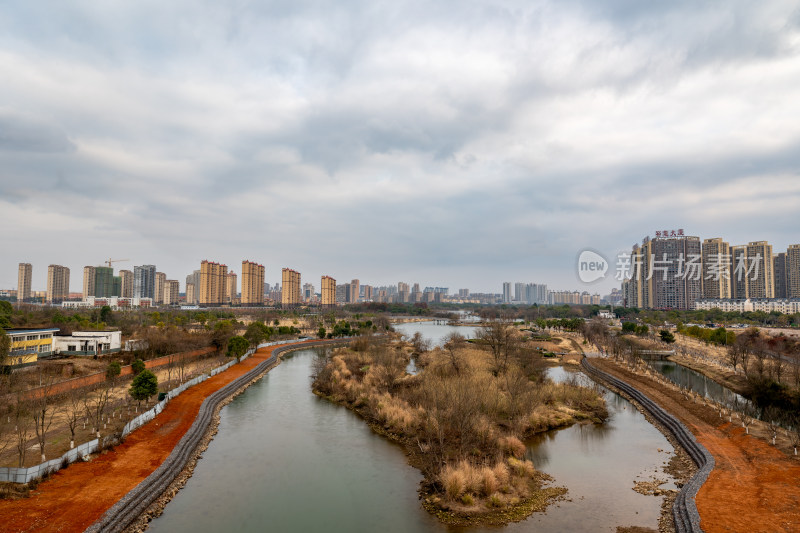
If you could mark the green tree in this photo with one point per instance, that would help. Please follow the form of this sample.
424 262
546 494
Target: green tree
144 386
137 367
628 327
321 332
667 336
113 370
106 315
237 346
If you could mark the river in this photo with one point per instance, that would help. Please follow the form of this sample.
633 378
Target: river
286 460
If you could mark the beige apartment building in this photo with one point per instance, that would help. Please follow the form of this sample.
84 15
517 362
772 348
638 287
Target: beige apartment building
739 287
212 283
761 280
716 268
231 287
171 292
793 271
190 293
252 283
89 273
57 283
290 288
158 292
328 291
126 276
24 279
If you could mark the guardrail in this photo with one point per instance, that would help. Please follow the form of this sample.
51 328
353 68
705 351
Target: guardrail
684 510
133 504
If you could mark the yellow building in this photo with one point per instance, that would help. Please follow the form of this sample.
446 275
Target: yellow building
158 292
290 290
328 291
57 283
126 277
88 281
212 283
27 345
171 292
24 278
252 283
231 287
716 268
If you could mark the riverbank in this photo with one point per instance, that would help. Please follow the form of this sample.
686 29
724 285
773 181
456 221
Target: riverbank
461 422
753 485
74 498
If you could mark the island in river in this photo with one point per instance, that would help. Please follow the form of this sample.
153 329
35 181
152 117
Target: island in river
462 418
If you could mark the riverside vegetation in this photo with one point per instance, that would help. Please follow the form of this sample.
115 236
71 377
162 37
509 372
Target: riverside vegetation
463 417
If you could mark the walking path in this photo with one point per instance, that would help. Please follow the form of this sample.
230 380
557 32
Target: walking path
753 487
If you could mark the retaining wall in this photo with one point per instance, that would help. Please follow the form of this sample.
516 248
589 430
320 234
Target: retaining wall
684 510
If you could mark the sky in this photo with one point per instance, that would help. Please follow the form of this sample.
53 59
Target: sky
450 143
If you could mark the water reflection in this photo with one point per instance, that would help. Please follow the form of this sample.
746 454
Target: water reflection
697 382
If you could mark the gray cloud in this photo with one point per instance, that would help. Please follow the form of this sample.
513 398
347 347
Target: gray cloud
455 143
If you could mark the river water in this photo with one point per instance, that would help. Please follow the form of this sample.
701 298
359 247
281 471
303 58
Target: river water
285 460
697 382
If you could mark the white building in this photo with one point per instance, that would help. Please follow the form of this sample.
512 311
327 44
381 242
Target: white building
88 342
742 305
114 302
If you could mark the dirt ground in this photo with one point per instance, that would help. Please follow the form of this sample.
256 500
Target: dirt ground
119 411
754 486
74 498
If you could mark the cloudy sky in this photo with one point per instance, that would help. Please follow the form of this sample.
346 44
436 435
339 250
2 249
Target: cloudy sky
451 143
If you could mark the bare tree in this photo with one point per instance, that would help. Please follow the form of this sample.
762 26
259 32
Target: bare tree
21 414
95 407
420 343
454 343
73 410
44 407
500 337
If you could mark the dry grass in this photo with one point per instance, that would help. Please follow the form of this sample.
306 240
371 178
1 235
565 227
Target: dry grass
464 420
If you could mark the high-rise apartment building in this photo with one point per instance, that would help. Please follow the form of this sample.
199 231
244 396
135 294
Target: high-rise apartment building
193 280
106 284
463 293
158 287
171 292
354 291
367 293
191 296
252 283
716 268
519 292
126 276
780 272
24 279
506 292
328 291
144 281
290 294
89 274
212 283
739 286
57 283
666 273
403 293
761 282
793 271
231 287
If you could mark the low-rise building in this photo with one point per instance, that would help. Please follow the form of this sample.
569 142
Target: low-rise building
28 345
88 343
787 306
114 302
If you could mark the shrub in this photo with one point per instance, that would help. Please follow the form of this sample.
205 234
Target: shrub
453 482
495 500
137 366
512 446
467 499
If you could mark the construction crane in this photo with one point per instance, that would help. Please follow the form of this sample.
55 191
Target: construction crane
114 261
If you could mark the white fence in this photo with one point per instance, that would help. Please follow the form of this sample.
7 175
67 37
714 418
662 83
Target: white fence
26 475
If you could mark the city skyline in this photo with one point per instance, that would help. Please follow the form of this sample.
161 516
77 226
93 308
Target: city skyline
455 144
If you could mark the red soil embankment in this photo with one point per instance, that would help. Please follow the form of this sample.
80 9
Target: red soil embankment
74 498
753 487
